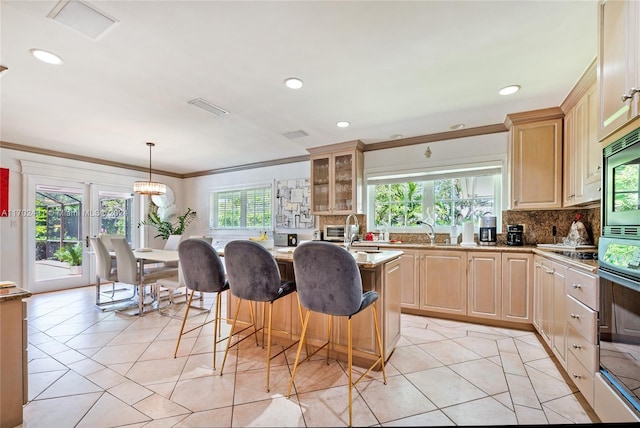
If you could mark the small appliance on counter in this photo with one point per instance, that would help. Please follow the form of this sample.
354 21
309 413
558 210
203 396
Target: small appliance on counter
286 239
514 234
487 231
317 235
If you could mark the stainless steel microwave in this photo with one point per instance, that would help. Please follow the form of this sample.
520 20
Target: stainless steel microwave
334 233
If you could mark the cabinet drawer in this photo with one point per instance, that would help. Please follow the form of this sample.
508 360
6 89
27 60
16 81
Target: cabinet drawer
583 287
583 319
585 351
583 378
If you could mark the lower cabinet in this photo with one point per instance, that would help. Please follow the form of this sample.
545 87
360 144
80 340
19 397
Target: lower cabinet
443 281
410 279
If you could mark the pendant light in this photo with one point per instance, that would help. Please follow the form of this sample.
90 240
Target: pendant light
149 187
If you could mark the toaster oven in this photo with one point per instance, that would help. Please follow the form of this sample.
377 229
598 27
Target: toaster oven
334 233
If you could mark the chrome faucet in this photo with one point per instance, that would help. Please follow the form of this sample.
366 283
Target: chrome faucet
432 235
348 236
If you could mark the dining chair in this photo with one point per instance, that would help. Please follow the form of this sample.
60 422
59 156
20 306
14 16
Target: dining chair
106 270
254 276
203 272
129 272
329 282
173 241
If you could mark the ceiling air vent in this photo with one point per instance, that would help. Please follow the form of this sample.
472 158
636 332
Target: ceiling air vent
206 105
81 17
295 134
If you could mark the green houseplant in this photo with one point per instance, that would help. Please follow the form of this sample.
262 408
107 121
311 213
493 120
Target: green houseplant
72 255
165 228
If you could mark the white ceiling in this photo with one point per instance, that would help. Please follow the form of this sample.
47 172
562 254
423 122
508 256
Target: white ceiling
388 67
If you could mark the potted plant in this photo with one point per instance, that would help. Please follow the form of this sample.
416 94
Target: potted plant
164 227
71 255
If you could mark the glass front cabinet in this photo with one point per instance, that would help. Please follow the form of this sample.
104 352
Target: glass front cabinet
337 174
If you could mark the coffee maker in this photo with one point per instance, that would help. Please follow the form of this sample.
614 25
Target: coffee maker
514 234
487 232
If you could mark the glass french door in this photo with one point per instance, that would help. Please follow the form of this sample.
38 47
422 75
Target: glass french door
66 213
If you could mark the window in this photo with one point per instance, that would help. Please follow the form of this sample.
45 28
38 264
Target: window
248 208
445 199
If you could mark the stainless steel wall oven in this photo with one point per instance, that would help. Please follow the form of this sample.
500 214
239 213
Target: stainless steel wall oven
619 269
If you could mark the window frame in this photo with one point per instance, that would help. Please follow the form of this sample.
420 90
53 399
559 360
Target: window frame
213 207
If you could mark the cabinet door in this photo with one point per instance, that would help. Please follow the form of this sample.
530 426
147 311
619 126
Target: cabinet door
409 282
321 179
617 67
538 277
484 285
559 315
443 280
517 287
546 302
536 164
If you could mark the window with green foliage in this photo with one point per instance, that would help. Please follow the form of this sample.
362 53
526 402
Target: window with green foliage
445 200
242 209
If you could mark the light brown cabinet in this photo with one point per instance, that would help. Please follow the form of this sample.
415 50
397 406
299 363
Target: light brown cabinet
484 282
582 150
618 68
550 317
337 174
410 283
443 282
517 287
535 159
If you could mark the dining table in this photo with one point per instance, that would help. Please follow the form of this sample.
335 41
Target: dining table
144 256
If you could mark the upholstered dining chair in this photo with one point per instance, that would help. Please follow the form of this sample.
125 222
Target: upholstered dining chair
128 271
106 270
203 272
172 244
254 276
329 282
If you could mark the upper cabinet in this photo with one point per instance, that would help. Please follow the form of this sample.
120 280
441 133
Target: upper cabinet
535 159
582 150
337 174
618 68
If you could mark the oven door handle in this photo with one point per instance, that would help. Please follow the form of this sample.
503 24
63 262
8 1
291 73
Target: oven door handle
606 274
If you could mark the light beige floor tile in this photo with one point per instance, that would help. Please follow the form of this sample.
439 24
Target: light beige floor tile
316 374
481 346
412 359
157 407
548 387
38 382
571 407
449 352
157 371
208 419
45 365
429 419
58 412
111 412
86 340
165 422
202 365
205 393
418 335
164 389
505 400
432 384
522 392
120 353
106 378
130 392
483 374
512 364
251 385
485 411
70 383
134 335
330 408
548 366
85 366
507 345
408 400
529 352
529 416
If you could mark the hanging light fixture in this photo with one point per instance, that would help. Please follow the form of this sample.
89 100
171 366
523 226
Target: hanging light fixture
149 187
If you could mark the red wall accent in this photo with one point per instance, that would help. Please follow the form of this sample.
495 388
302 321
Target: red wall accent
4 192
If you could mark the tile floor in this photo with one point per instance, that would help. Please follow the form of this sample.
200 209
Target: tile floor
89 368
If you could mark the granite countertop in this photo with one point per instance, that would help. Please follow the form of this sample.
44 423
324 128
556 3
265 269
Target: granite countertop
13 293
365 259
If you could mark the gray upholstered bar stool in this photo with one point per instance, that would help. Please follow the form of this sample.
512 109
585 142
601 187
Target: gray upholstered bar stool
254 276
328 281
202 271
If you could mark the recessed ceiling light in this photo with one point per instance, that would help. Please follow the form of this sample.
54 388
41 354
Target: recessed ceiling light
508 90
47 57
457 126
293 83
342 124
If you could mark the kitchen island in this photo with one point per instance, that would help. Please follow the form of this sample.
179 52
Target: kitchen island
380 270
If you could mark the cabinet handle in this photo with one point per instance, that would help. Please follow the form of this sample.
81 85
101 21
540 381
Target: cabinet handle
549 271
577 376
576 346
630 95
575 316
576 286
